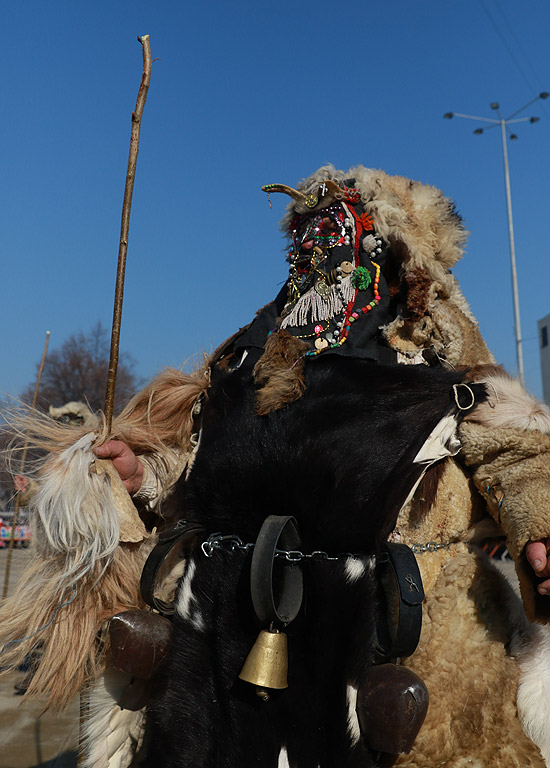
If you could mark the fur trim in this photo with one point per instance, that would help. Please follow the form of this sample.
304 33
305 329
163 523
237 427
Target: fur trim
508 405
279 373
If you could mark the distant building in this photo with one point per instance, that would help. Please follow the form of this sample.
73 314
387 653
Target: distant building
544 340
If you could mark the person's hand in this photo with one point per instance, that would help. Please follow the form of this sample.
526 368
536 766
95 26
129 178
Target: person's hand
125 461
537 554
20 483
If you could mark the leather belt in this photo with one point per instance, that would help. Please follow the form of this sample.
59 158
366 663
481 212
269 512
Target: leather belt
184 532
404 593
277 532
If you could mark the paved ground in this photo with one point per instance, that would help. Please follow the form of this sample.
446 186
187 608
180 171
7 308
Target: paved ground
29 739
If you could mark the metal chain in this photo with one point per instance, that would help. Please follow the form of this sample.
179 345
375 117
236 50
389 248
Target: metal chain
235 543
431 546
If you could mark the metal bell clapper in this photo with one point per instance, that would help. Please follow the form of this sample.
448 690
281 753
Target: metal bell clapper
266 665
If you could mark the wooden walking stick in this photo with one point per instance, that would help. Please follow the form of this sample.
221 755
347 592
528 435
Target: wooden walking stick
119 291
22 467
125 227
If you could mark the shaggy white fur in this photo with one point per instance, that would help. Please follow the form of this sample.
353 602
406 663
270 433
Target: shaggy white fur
111 734
76 514
533 697
510 406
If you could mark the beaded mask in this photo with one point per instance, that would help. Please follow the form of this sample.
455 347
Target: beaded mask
326 274
335 298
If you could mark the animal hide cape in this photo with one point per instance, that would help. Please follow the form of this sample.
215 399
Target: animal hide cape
341 461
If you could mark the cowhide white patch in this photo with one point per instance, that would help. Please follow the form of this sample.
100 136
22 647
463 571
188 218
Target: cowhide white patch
354 729
187 602
283 759
354 568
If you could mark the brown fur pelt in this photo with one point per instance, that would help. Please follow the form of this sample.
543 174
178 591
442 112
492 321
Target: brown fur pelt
418 290
158 416
279 373
162 413
471 614
63 626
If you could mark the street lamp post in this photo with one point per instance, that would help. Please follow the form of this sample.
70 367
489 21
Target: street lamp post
504 122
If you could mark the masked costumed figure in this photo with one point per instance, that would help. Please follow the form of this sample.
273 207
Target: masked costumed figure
357 422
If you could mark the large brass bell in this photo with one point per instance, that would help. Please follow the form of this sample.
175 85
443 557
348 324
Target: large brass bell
266 665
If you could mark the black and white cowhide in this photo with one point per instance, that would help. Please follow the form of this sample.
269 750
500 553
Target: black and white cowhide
341 461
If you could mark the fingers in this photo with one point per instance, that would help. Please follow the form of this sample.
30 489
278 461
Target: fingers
536 553
111 449
124 461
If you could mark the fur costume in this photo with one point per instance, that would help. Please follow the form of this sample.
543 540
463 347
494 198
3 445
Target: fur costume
89 540
477 649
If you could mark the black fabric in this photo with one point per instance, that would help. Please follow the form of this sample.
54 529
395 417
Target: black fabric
365 340
339 460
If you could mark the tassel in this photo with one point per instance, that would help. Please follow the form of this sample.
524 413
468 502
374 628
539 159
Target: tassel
311 307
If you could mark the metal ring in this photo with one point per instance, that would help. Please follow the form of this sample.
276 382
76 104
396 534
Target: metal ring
457 401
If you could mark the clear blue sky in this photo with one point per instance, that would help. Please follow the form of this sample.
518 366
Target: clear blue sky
243 94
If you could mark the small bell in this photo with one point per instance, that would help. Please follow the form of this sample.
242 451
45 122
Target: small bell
267 663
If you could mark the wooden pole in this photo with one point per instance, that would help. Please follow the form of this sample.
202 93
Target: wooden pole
125 228
119 295
21 469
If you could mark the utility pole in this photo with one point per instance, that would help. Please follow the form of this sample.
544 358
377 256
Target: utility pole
504 123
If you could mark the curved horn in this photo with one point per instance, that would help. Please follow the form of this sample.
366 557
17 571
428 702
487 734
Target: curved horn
298 196
327 193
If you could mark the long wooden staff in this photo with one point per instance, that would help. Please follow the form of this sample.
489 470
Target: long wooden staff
125 227
22 468
119 292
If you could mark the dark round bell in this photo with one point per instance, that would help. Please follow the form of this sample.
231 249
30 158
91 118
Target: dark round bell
392 703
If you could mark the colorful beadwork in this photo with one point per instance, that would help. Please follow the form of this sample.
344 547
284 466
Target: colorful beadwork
351 317
361 278
328 298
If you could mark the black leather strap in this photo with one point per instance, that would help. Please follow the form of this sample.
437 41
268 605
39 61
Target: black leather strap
183 533
401 583
277 532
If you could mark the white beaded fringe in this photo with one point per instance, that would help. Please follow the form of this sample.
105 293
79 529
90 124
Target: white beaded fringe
311 307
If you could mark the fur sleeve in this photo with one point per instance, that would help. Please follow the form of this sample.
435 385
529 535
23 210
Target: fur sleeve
511 470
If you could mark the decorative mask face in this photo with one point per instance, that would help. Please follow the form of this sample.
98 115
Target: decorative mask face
313 236
326 275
